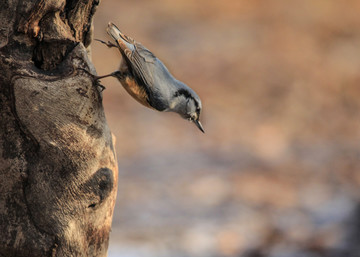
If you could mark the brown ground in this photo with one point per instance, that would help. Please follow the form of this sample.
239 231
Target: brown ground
278 171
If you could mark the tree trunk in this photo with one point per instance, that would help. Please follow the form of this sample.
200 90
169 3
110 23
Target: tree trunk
58 170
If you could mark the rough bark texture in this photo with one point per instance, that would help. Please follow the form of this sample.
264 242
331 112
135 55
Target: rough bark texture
58 171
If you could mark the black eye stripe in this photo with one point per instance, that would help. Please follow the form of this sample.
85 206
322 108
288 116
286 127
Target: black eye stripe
187 95
182 92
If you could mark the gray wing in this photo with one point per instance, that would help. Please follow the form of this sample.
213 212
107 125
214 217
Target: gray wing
144 64
151 73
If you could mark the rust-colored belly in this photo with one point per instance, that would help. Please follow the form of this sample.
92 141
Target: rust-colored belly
136 91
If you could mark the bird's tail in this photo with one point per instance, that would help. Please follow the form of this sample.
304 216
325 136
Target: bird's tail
119 37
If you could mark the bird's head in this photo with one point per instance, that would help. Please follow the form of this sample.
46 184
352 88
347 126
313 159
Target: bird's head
188 104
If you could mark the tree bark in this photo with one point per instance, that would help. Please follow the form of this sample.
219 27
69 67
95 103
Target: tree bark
58 169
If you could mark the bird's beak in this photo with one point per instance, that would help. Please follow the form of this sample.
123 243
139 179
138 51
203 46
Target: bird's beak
198 124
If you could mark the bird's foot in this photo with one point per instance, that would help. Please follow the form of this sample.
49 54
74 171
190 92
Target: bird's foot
94 78
108 44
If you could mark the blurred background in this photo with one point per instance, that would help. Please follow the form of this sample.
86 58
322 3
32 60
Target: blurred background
278 171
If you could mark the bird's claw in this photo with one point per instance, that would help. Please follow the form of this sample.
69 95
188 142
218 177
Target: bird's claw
94 78
108 44
102 88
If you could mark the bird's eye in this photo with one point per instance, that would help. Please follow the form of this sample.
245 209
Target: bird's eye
192 117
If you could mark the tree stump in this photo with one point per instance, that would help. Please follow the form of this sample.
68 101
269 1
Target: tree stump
58 169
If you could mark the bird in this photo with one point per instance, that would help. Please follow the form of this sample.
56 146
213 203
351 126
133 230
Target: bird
148 80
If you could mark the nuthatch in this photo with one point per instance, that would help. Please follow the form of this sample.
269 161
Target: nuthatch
149 82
